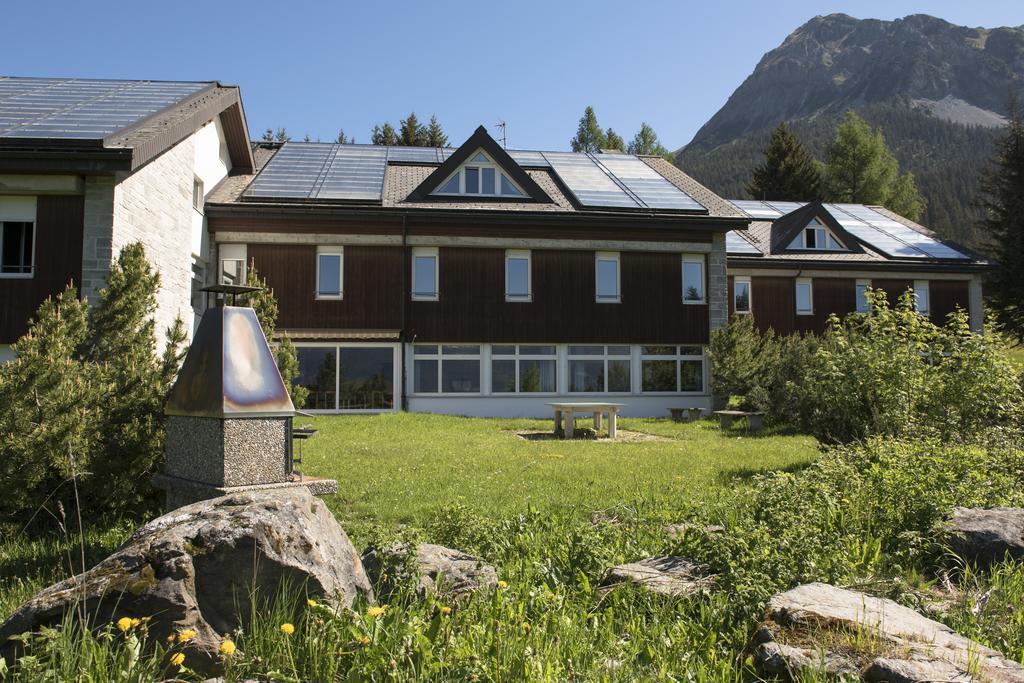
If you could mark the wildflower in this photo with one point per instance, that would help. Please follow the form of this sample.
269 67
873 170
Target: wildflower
170 638
124 623
503 585
186 635
136 623
287 629
375 611
177 659
446 610
312 603
227 648
145 620
364 641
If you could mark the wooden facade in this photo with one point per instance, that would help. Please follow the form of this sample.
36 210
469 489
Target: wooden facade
58 262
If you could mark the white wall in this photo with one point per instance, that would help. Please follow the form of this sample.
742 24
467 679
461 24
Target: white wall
531 406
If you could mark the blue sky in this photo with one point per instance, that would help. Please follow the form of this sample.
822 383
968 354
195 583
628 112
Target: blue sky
314 67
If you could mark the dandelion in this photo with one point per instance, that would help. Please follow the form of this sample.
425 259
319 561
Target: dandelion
227 648
177 659
503 585
136 623
124 623
374 612
364 641
446 610
312 603
186 635
287 629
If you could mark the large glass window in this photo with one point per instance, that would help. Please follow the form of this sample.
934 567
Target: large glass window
366 378
741 295
863 306
606 267
424 273
446 369
517 275
693 279
804 296
527 369
329 264
16 247
671 369
318 369
599 369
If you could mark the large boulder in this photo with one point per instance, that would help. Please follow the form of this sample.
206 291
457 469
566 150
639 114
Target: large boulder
820 628
987 535
196 567
665 575
434 567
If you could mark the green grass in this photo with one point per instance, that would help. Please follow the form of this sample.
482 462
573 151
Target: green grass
404 467
1016 355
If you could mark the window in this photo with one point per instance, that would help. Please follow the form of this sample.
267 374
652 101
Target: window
318 373
198 283
863 306
17 248
804 296
921 297
446 369
424 274
526 369
517 275
198 196
607 277
599 369
816 236
347 377
671 369
329 272
480 176
232 264
693 279
741 294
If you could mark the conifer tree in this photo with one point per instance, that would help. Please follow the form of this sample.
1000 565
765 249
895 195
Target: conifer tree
589 136
268 135
282 135
435 134
613 140
341 139
384 135
1003 200
646 142
788 172
860 169
411 133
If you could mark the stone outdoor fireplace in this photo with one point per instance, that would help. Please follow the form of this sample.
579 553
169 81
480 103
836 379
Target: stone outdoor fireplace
229 425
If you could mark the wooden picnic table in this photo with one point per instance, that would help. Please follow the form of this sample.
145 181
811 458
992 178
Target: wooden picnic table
755 419
568 412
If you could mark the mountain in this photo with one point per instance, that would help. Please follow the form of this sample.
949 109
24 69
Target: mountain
939 91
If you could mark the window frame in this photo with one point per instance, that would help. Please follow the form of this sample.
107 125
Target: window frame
678 358
614 257
810 295
520 254
699 259
440 357
198 194
396 376
233 253
743 279
25 275
517 356
605 357
426 252
923 286
495 192
338 251
817 226
866 284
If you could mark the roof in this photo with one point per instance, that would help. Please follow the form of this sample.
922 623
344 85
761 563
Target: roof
102 125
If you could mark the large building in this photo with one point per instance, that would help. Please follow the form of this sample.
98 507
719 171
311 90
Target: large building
478 280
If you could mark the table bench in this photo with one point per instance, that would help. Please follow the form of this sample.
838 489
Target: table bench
755 420
686 414
567 411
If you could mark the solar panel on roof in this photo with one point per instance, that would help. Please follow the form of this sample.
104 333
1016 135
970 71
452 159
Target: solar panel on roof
785 207
527 158
588 182
322 171
878 239
646 184
901 232
737 244
419 155
353 173
82 109
756 209
292 172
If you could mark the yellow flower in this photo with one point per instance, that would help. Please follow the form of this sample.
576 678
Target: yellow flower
186 635
136 623
503 584
124 623
227 648
312 603
376 611
446 610
287 629
170 638
364 641
177 659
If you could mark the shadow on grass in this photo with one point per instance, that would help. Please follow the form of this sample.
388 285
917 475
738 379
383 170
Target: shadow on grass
745 474
48 553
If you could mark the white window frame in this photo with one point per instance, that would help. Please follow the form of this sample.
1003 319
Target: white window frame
396 376
426 252
20 209
480 165
743 279
863 305
198 194
233 253
518 356
440 356
520 254
605 356
678 357
922 286
810 292
827 234
699 259
331 251
615 257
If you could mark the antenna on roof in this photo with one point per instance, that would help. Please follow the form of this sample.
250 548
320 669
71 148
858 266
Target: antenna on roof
504 140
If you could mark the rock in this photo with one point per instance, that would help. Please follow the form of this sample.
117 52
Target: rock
665 575
818 624
194 568
986 536
458 572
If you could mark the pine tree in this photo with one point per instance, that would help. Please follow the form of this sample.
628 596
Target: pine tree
589 136
788 172
860 169
646 142
435 134
1003 201
268 135
306 138
412 133
384 135
341 139
613 140
285 355
281 135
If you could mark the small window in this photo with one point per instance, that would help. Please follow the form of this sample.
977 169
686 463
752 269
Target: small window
472 180
741 295
804 297
921 297
424 274
607 277
17 248
329 272
480 176
693 279
863 306
232 264
817 237
517 275
198 196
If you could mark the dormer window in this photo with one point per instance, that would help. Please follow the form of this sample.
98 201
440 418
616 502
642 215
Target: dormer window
816 237
479 176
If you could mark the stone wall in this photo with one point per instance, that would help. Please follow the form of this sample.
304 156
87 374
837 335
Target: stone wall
718 283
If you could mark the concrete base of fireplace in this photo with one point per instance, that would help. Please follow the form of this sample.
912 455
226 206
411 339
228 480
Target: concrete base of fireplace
185 491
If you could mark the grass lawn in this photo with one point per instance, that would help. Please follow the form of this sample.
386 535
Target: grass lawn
403 467
1016 355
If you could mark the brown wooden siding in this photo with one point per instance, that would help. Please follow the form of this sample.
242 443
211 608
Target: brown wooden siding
830 295
946 296
773 303
58 261
893 289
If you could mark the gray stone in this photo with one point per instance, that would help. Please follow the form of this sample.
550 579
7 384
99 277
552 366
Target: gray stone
453 571
680 529
987 535
196 567
778 659
665 575
899 641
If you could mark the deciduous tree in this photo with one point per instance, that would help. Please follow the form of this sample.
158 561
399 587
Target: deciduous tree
646 142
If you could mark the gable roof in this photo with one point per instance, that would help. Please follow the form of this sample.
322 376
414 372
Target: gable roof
788 227
480 139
